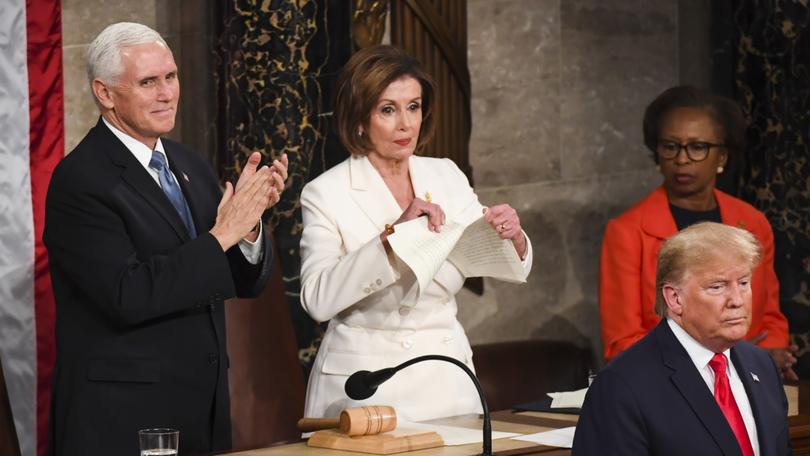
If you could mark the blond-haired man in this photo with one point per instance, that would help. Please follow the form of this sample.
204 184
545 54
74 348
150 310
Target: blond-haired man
692 385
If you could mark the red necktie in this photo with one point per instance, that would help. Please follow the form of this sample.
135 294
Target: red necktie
725 399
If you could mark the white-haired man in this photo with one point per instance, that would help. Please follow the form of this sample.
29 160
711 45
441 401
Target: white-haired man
692 386
144 248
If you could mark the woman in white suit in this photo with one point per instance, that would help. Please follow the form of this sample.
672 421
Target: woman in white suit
349 274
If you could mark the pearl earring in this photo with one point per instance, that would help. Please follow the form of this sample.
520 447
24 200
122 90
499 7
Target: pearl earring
719 170
359 132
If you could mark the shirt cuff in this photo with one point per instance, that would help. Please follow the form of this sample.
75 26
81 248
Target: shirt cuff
253 250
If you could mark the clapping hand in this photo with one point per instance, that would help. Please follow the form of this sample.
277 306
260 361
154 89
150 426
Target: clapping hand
241 207
278 173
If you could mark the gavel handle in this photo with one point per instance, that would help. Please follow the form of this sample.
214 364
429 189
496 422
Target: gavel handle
316 424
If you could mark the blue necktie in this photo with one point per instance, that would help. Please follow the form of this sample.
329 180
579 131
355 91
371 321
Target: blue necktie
172 190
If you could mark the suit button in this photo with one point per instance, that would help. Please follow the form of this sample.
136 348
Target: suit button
379 281
407 344
212 358
366 290
404 311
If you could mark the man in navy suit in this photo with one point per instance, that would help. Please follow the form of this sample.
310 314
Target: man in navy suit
144 248
692 386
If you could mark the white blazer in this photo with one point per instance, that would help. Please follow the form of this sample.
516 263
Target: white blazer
376 319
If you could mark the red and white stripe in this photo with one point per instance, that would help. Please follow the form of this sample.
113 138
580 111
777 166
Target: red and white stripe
31 143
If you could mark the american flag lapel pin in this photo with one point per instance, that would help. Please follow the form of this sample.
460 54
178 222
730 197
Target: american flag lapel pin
185 176
754 376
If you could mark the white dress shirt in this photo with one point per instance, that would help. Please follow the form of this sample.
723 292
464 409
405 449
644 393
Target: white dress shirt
701 356
251 250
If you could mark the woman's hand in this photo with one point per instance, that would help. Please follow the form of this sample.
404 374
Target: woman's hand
785 359
504 220
418 207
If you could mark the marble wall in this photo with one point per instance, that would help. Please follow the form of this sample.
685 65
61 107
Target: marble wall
558 93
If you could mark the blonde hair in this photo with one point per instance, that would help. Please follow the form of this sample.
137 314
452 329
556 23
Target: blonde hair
701 244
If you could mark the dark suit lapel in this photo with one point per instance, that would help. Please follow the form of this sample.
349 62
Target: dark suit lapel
139 179
690 384
759 404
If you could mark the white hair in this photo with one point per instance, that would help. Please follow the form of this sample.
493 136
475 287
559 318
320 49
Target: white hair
104 53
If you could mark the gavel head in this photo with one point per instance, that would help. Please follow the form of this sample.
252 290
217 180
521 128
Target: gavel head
372 419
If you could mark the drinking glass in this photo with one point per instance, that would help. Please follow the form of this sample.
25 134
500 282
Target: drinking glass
159 442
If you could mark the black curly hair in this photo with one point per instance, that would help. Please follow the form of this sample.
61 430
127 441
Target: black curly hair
725 112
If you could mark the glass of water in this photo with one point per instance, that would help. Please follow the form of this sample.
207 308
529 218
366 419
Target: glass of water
159 442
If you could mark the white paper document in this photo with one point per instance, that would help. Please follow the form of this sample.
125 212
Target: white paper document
568 399
476 250
454 435
563 437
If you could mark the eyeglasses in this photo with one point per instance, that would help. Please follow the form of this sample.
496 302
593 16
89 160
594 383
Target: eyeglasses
696 151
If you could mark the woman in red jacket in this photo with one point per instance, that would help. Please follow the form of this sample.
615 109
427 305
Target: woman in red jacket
691 134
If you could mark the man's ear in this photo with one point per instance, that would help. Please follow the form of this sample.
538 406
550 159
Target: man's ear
672 296
102 94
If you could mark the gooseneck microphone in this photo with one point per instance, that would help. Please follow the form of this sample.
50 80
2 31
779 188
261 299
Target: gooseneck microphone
363 384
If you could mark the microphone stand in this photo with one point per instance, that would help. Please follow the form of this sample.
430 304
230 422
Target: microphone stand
363 384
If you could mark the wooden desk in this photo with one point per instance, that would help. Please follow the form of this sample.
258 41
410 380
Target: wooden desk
500 447
532 422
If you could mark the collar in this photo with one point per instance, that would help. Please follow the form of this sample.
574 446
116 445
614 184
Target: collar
658 221
699 354
142 153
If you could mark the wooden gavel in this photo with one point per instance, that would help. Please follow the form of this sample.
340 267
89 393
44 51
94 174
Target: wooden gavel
368 420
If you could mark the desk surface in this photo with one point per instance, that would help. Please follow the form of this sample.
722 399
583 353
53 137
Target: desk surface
533 422
528 423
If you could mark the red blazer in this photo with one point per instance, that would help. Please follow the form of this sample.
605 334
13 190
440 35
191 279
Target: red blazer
628 262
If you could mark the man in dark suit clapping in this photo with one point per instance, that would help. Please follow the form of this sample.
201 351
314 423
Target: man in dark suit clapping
144 248
692 385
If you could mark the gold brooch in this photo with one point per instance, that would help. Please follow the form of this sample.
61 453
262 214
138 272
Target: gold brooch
427 196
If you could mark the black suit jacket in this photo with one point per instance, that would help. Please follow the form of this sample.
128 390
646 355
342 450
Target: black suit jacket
140 325
651 400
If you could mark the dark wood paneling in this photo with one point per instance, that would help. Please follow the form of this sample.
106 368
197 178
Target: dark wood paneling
435 32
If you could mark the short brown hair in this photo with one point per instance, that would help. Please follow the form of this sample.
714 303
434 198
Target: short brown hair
698 245
361 83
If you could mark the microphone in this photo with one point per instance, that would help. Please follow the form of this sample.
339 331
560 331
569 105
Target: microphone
363 384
